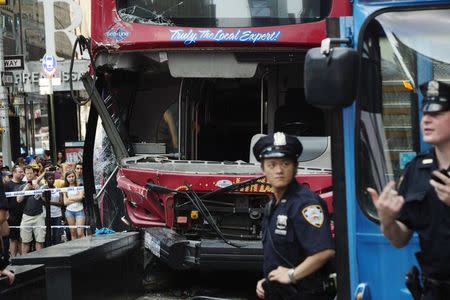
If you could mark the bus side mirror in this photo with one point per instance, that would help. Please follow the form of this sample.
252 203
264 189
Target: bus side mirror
331 79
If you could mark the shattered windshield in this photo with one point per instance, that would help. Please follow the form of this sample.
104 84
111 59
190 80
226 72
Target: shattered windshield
223 13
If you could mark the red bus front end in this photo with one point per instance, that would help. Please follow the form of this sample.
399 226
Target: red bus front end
138 25
189 87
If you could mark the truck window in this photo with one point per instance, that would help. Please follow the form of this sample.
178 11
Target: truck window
394 49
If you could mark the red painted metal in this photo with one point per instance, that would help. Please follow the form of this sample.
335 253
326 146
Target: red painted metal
155 209
146 208
146 37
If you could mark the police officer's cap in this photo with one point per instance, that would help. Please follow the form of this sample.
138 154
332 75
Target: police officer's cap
277 145
436 96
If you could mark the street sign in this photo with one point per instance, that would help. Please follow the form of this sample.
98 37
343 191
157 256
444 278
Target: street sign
7 78
13 62
49 64
56 81
45 90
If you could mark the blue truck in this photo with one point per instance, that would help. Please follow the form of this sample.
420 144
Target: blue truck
366 75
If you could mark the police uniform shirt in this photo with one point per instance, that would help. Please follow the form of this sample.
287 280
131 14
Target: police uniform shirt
426 214
3 200
298 226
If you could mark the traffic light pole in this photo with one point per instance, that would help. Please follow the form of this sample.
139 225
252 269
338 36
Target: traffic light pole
52 121
4 112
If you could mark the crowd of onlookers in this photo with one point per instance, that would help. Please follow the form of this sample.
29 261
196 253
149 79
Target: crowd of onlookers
22 218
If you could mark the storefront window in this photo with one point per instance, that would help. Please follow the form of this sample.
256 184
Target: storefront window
32 113
24 34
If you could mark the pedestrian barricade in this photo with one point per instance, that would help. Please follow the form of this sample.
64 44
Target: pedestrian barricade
100 266
28 283
46 193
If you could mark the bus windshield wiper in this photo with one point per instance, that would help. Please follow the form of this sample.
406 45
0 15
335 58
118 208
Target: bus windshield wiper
233 187
225 189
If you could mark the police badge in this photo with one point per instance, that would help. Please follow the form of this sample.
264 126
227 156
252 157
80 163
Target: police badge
313 214
281 225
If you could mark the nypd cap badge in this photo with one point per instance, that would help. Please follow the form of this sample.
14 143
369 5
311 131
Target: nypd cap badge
279 139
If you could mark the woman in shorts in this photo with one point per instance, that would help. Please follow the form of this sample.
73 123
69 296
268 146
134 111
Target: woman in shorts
73 200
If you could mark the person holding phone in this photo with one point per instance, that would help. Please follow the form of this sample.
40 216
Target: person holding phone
422 202
33 218
56 204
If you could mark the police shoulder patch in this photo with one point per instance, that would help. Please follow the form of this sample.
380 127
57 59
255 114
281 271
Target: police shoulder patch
313 214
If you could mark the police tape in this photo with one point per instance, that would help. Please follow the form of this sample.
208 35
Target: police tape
39 192
53 226
54 191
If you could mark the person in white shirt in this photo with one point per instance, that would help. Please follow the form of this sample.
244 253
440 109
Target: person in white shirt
56 203
73 200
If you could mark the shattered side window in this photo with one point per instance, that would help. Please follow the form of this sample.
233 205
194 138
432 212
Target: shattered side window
110 201
104 158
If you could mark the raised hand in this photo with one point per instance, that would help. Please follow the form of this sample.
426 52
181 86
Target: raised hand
388 203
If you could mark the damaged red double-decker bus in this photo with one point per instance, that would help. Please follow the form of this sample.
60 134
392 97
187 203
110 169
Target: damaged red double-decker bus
183 90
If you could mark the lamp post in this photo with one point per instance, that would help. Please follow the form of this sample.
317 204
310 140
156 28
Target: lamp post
4 110
49 64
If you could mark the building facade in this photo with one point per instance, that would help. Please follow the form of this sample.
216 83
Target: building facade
32 28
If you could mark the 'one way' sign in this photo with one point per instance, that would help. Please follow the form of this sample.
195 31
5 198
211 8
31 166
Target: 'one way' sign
13 62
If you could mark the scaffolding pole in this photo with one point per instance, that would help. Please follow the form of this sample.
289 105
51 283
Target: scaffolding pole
4 111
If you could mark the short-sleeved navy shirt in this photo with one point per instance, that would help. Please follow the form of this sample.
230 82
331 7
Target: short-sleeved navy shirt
426 214
15 208
298 226
3 200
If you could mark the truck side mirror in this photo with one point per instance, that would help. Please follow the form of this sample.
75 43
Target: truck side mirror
331 77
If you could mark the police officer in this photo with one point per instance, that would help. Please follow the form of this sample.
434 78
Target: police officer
4 232
422 203
296 230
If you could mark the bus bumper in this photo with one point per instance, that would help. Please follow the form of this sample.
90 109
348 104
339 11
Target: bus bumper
180 253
